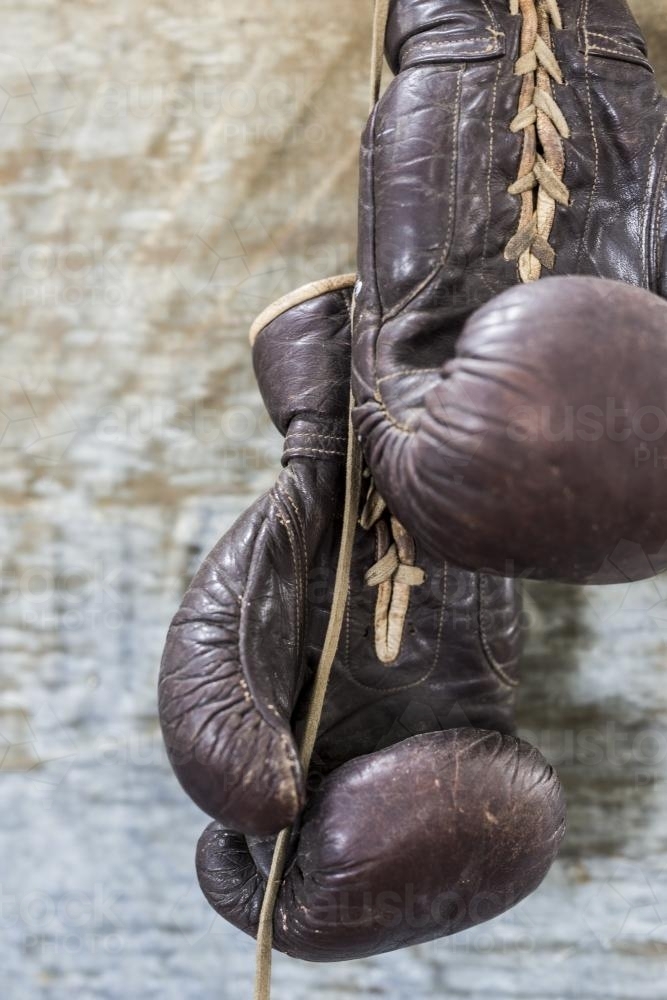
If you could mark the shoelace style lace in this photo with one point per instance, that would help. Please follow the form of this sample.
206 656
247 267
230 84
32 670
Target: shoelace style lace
394 574
540 182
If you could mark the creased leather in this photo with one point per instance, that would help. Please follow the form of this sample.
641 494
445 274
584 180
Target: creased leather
423 812
438 425
434 835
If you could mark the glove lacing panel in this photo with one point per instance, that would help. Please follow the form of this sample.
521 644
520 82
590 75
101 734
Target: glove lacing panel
394 574
540 182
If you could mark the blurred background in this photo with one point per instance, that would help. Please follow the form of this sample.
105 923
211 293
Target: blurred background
168 170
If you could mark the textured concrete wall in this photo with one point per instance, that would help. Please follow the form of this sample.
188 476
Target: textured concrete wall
167 169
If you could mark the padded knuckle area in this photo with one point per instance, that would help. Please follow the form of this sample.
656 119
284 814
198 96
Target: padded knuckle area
515 434
436 834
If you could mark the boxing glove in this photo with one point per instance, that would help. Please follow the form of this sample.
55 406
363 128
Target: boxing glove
516 425
422 813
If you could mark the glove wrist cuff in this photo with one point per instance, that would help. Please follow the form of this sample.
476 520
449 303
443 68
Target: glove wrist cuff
317 439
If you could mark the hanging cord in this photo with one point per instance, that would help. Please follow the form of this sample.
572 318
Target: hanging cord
337 614
380 17
334 627
540 183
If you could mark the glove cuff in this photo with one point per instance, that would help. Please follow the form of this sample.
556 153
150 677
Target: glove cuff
310 438
302 362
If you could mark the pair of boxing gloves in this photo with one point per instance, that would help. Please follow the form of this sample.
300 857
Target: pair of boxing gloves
511 427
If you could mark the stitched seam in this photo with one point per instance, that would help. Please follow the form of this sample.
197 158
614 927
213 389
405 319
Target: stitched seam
596 145
335 445
379 402
596 49
408 371
389 690
463 55
413 295
450 43
244 604
434 43
346 661
622 48
303 436
609 38
453 174
441 617
492 661
261 709
660 259
416 32
490 13
297 513
489 200
374 234
646 207
313 446
307 450
284 520
297 569
313 435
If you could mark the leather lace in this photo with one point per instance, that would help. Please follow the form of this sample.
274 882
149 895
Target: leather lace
540 182
394 574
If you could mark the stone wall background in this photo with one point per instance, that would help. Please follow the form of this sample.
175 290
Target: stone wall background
167 170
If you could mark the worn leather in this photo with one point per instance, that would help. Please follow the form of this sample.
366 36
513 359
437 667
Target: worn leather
462 376
422 813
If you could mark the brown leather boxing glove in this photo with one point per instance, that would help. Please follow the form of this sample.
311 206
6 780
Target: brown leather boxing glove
514 425
422 814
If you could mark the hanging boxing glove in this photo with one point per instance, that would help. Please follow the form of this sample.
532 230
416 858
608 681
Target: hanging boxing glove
421 813
513 425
